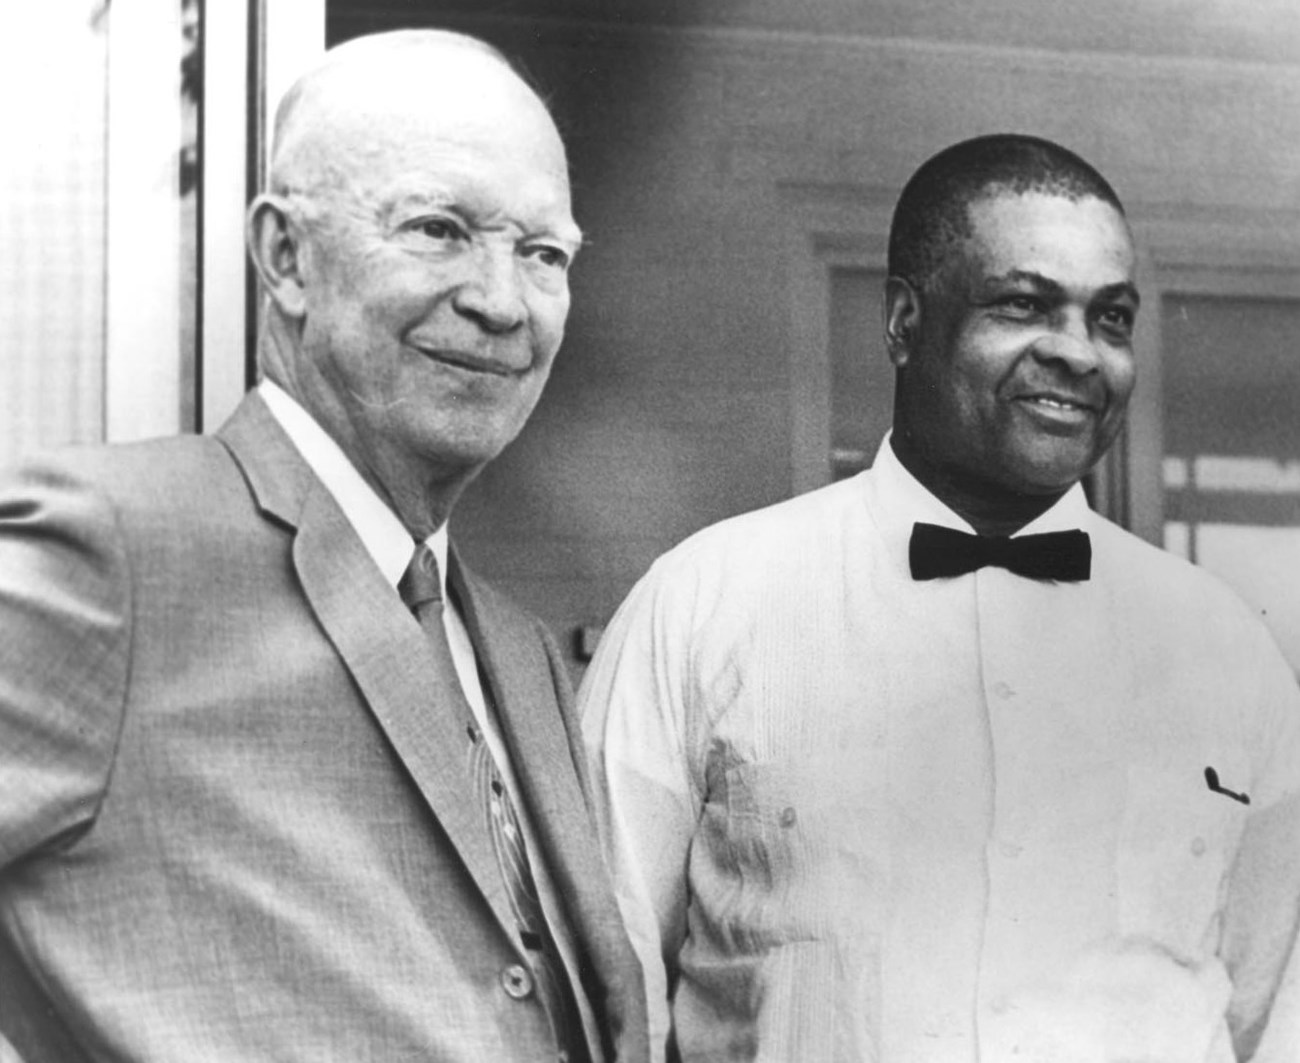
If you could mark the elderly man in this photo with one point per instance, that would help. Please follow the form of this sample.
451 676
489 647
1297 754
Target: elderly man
936 765
262 795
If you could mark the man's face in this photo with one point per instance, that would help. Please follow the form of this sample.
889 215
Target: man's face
1021 365
435 281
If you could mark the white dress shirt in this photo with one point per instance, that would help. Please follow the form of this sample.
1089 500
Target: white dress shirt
852 816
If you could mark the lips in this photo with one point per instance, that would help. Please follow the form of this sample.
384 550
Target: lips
1058 413
1062 402
472 361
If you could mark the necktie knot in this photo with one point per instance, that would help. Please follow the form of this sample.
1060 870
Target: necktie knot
420 585
936 552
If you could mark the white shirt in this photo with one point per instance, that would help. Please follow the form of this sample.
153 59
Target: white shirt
386 540
858 817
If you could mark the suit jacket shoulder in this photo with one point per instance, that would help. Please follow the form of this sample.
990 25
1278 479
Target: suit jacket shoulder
77 527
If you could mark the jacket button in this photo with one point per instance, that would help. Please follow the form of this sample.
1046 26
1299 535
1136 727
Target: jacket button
517 982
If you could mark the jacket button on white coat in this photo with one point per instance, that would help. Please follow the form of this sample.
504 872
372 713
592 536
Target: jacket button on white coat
517 982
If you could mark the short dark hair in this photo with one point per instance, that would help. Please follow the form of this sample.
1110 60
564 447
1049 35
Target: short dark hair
933 209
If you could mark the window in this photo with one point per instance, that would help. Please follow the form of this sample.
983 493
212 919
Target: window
862 377
1231 465
53 218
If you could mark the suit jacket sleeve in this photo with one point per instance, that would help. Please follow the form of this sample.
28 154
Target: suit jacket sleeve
65 631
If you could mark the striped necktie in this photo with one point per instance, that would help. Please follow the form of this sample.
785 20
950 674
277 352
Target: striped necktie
421 591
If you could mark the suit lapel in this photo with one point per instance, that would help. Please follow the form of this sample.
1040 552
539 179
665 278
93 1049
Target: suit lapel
518 673
379 642
540 730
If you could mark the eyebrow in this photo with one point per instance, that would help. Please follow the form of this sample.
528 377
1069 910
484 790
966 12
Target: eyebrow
570 234
567 232
1119 290
1122 289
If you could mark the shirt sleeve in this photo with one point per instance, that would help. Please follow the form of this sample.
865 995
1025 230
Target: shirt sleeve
1262 913
64 644
633 704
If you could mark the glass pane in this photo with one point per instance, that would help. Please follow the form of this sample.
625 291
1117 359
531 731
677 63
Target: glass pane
1232 446
75 74
54 70
188 170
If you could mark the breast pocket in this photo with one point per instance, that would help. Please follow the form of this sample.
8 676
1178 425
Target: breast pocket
1175 847
763 807
794 844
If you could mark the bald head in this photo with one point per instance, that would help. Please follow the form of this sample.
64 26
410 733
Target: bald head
344 115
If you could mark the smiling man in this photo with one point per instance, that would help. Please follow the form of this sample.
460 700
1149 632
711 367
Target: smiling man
936 765
280 778
1014 350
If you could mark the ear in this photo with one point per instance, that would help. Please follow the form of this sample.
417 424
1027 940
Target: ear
902 311
275 246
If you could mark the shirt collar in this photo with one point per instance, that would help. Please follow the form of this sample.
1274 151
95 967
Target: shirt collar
911 501
383 535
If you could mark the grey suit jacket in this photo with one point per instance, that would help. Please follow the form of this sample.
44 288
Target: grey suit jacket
233 824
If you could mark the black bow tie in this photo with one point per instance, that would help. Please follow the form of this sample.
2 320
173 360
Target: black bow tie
937 552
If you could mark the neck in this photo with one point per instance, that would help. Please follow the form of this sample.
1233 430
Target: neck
421 493
988 508
422 506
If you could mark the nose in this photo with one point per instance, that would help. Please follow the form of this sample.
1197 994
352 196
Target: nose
492 293
1069 343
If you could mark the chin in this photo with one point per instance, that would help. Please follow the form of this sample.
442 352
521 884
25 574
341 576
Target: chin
478 448
1056 480
463 453
1051 470
473 438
